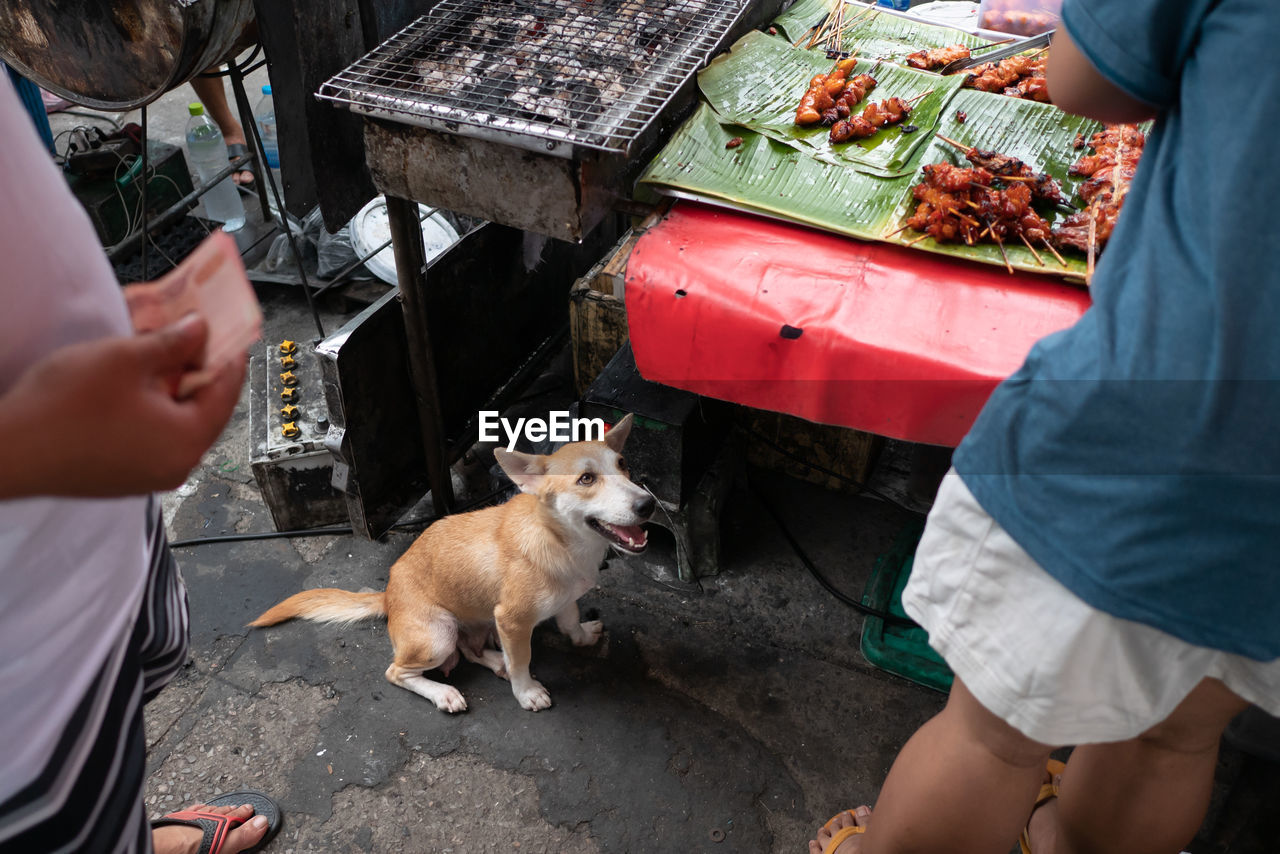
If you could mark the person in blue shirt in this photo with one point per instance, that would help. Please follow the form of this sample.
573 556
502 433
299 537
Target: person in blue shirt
1102 567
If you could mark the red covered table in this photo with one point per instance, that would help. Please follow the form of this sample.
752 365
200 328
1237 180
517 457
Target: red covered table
880 338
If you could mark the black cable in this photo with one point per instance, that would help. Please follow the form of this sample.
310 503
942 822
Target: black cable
88 115
412 524
857 484
867 610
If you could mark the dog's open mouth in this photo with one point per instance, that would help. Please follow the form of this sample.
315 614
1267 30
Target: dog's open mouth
629 538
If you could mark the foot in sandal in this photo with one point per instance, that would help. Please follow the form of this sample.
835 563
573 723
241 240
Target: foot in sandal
238 822
1038 835
842 834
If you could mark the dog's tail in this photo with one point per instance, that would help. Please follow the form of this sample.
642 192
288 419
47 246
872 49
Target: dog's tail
326 605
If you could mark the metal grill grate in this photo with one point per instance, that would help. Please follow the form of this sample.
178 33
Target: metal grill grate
546 75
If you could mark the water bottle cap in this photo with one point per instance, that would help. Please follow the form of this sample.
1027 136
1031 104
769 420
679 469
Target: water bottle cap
195 108
266 90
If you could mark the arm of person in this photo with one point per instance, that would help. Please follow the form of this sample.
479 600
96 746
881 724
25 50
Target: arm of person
100 418
1076 86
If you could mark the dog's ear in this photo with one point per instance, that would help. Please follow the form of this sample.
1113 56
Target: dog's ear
617 435
525 470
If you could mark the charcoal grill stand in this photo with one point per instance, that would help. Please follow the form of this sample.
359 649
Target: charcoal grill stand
406 240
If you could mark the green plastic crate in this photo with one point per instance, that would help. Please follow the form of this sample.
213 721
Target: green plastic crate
900 649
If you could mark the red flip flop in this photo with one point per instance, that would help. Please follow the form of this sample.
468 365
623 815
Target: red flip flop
217 825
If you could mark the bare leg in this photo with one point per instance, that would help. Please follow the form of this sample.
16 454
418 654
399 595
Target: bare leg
965 768
213 94
582 634
1143 796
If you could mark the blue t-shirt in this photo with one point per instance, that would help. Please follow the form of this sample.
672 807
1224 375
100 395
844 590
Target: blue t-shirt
1136 455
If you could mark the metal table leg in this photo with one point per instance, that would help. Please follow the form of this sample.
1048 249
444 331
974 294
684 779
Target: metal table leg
406 240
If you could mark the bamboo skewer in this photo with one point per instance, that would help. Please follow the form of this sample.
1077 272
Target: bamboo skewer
821 28
807 32
837 34
960 145
1003 254
896 231
1034 253
917 240
1093 237
1050 247
911 101
967 219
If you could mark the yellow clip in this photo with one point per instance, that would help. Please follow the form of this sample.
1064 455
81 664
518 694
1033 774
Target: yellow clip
288 380
289 395
288 363
290 430
288 348
289 413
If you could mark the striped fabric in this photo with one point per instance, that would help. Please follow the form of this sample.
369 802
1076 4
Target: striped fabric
89 796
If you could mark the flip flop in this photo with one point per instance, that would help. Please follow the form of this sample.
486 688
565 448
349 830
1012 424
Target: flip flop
239 149
839 836
1048 791
217 825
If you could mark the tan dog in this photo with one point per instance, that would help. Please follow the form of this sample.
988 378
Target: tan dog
506 568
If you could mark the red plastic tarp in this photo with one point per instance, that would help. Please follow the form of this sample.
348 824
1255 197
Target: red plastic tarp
881 338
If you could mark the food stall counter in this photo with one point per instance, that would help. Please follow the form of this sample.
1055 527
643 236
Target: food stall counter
839 331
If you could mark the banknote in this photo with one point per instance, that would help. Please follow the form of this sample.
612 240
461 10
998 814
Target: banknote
210 282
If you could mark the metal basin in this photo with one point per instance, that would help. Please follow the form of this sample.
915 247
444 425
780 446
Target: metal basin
119 54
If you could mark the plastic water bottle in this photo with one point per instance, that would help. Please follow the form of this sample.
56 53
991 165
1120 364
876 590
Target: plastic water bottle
265 115
208 155
896 5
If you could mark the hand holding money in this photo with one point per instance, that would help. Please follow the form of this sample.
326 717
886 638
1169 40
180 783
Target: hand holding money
211 283
133 414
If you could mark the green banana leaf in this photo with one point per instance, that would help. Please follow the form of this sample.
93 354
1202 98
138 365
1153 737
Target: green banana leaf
803 15
778 171
1041 135
876 35
891 38
759 83
765 176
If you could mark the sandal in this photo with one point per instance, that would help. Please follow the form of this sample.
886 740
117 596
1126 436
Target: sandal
839 836
239 149
1048 791
217 825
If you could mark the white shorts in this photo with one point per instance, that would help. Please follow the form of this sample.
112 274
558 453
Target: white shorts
1032 652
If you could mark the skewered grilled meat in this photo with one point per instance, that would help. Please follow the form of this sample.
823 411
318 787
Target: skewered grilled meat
1030 89
957 204
831 96
1017 77
1041 184
930 60
873 117
1110 169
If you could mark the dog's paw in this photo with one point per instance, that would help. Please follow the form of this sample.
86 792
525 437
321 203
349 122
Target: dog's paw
590 634
534 697
449 699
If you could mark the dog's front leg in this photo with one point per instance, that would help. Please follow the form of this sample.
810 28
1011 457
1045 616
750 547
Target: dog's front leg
582 634
515 630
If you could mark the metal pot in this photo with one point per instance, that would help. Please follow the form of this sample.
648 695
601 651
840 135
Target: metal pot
119 54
